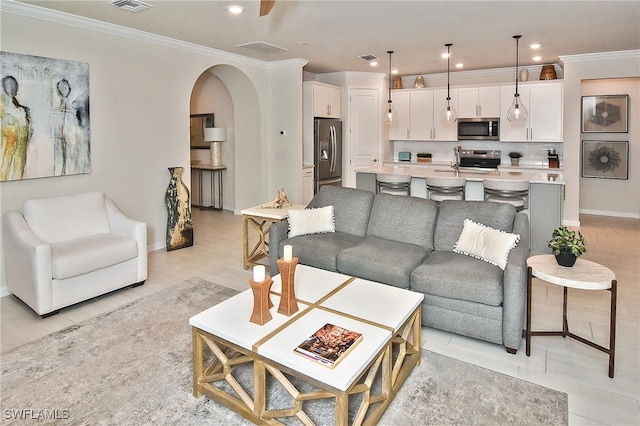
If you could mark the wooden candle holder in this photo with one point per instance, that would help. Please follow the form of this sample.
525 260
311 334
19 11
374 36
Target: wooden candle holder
261 301
288 304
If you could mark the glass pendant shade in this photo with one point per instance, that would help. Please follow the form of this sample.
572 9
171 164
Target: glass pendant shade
517 112
448 114
390 114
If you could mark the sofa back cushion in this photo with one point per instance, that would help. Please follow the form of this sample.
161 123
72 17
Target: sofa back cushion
351 207
68 217
404 219
452 214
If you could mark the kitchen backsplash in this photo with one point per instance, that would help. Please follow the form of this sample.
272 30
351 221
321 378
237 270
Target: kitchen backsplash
535 154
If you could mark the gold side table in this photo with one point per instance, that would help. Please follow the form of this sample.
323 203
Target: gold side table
260 219
584 275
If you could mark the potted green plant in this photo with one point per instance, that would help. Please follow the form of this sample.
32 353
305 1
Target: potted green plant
424 157
567 245
515 157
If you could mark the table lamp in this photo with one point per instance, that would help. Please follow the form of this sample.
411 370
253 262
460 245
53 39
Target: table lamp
215 135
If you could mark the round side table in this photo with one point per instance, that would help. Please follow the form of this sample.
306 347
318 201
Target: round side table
584 275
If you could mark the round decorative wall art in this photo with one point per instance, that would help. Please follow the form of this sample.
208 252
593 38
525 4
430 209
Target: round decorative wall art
605 159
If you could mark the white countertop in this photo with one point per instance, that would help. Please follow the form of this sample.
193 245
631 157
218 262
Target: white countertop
553 176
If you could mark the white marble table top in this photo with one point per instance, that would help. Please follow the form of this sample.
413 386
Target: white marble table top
584 274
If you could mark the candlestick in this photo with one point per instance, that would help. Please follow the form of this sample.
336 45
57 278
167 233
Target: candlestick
288 253
261 300
288 304
258 273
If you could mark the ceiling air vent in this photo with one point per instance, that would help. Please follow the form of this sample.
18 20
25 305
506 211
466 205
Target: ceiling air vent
130 5
369 57
262 47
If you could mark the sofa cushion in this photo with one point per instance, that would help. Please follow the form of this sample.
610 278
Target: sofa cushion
321 250
456 276
485 243
385 261
84 255
67 217
405 219
351 207
311 221
452 214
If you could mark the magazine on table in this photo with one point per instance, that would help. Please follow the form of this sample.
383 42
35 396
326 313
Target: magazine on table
329 345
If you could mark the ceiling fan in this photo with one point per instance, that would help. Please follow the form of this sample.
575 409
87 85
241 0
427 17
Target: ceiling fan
266 6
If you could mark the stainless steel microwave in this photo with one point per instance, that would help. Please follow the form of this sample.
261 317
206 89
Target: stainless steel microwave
483 129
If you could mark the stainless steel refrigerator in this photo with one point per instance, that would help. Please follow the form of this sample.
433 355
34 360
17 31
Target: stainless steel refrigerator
327 152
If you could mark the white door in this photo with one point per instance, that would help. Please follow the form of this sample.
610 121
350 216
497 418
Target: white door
364 131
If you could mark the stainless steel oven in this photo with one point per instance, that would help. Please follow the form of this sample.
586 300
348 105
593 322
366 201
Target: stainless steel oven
485 159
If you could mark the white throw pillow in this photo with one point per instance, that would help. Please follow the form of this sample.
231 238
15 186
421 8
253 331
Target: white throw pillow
485 243
311 221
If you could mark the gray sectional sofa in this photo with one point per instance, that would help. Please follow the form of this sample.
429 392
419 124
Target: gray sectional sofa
408 242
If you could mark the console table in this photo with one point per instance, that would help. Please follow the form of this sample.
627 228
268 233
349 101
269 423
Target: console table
216 174
261 219
584 275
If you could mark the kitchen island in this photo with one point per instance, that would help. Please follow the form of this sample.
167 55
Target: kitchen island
544 204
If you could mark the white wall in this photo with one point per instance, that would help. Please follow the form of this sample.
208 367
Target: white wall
578 68
615 197
140 89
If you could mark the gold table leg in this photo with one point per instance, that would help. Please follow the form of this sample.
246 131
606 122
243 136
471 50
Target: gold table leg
261 248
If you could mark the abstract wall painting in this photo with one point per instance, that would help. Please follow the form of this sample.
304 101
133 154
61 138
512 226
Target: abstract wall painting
605 114
605 159
44 112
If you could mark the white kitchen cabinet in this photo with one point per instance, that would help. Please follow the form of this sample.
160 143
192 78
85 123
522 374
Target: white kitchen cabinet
479 102
326 99
544 102
307 185
419 115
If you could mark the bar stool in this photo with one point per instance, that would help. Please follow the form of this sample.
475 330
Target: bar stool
445 188
512 192
393 184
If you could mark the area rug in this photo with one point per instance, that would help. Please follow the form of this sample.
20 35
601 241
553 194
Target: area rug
133 366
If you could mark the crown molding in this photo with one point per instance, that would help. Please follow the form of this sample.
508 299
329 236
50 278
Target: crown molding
287 63
37 12
601 56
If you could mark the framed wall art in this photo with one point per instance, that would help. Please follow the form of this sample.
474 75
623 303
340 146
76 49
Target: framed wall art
605 114
198 123
605 159
45 117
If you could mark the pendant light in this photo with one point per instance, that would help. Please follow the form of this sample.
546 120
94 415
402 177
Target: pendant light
517 113
448 113
390 116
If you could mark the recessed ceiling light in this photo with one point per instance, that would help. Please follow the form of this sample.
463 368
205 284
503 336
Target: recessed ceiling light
373 63
537 58
444 55
535 46
235 9
394 71
459 65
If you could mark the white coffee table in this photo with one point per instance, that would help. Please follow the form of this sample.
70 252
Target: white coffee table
585 275
389 319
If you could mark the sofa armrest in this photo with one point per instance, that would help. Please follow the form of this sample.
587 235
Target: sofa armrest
126 227
515 285
278 232
27 262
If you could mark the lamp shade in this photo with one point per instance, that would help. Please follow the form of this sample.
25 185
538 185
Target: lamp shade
215 134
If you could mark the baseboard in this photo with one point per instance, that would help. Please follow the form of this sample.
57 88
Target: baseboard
608 213
4 291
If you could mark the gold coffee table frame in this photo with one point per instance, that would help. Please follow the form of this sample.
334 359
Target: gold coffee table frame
214 360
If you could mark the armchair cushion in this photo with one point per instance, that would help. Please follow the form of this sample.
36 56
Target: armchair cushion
84 255
68 217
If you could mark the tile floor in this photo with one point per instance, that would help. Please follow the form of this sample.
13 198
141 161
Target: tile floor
563 364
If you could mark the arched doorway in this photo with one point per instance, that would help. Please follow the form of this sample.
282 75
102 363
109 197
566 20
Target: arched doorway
230 95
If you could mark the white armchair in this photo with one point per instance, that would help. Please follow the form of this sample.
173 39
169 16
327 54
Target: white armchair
63 250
